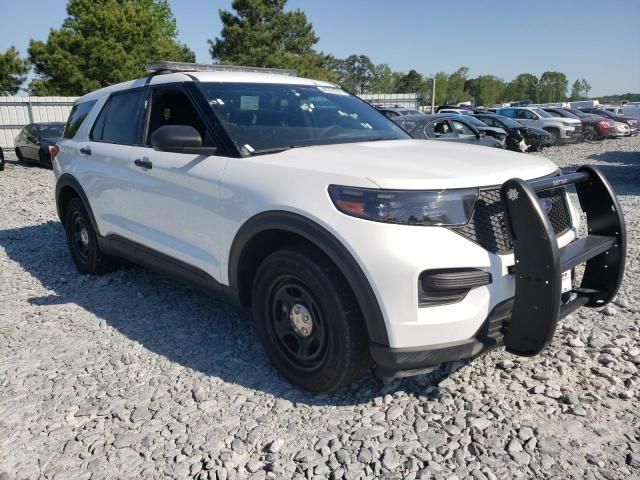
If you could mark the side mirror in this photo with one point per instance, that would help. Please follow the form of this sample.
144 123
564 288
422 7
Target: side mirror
179 139
481 133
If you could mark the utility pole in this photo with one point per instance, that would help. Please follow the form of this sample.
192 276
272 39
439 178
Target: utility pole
433 94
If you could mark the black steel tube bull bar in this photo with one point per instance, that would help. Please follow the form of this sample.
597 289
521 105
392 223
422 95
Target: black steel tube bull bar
539 262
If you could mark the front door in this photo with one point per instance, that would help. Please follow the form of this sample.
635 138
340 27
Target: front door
177 195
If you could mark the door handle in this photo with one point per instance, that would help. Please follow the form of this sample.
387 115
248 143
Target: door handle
143 163
85 151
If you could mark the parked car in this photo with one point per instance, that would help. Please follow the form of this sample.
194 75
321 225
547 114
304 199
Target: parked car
351 243
448 128
595 127
455 111
520 138
496 132
632 122
391 112
621 130
34 140
560 129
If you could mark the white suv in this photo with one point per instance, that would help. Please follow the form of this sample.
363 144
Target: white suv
351 243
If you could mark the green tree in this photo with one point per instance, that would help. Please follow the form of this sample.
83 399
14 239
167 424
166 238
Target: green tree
261 34
586 86
486 89
412 82
455 86
576 91
552 87
13 71
384 79
102 42
356 73
523 87
442 88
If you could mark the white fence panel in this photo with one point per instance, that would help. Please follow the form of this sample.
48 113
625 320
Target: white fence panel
16 112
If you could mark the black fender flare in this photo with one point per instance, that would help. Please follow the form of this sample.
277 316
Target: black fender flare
64 181
329 245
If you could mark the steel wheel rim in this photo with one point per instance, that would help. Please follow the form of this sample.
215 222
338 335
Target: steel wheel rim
305 352
81 237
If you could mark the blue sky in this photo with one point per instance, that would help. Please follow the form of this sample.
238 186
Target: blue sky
595 39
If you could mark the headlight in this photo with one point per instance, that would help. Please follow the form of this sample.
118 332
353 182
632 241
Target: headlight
409 207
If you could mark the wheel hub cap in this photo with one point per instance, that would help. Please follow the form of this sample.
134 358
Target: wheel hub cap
84 237
301 320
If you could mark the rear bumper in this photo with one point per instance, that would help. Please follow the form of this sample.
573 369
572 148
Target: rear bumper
525 324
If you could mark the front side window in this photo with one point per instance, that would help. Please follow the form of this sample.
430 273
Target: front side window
171 106
526 115
78 113
263 117
118 121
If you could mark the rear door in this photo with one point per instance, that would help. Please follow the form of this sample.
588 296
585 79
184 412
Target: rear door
176 197
117 128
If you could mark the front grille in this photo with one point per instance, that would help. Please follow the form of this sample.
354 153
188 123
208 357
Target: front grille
488 227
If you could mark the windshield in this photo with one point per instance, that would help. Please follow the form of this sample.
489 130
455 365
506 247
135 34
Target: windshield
477 122
579 114
266 117
51 131
542 113
508 122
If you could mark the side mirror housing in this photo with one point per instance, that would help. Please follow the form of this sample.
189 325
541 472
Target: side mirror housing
179 139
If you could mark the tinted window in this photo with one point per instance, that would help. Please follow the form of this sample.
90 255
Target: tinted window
121 123
171 106
51 131
508 112
78 113
527 115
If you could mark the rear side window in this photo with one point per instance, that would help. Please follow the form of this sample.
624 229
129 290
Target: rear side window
78 113
119 120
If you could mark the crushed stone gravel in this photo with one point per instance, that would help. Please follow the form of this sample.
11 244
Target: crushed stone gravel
133 375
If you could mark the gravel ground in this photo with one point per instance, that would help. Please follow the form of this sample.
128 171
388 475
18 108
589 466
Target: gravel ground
132 375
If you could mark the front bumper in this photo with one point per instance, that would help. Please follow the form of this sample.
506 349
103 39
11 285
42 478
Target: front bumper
526 323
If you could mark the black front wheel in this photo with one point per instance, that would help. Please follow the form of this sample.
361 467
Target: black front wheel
19 155
555 136
82 241
308 321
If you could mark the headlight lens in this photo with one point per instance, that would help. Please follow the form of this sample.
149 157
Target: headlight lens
409 207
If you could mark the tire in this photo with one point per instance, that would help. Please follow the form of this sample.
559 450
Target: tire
555 136
44 159
591 134
19 155
82 241
330 349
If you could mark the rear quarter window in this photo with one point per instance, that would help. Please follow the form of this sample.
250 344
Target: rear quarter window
78 113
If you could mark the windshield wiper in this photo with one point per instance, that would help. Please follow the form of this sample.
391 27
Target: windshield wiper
266 151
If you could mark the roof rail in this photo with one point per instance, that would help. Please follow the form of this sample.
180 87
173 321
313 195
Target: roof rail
174 67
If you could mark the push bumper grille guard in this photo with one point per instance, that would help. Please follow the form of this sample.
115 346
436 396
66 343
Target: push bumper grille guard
539 262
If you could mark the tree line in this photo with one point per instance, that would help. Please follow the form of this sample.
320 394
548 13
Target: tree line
103 42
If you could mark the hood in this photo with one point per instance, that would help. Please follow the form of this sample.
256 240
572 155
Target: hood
537 131
414 164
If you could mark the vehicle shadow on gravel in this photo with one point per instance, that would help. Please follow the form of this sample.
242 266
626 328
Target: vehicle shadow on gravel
623 172
193 329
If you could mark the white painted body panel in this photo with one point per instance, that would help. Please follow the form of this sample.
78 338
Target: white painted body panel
191 208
